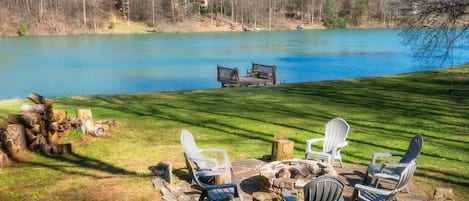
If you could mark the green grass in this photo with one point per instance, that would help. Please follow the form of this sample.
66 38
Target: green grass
384 113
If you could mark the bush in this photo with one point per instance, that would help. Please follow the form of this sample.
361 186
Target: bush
22 29
111 25
335 22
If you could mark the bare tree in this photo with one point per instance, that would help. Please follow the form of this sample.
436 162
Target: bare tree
435 28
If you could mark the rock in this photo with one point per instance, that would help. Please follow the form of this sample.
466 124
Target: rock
263 196
443 194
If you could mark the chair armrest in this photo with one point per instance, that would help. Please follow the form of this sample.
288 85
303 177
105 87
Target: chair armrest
223 151
394 165
385 176
206 160
341 145
226 161
377 155
310 142
372 189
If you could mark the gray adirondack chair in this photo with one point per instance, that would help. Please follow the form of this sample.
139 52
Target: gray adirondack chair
205 165
392 171
322 188
334 140
372 193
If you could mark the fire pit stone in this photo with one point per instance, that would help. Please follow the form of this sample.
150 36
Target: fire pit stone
291 175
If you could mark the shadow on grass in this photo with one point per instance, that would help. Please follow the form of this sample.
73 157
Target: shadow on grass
384 113
71 161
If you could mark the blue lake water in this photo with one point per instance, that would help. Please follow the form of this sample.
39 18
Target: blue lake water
110 64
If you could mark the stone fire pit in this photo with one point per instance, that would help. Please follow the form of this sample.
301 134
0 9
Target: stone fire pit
291 175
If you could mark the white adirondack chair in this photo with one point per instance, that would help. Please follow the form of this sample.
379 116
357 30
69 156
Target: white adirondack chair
334 140
205 166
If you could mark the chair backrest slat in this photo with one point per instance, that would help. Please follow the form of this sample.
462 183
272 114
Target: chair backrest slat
323 188
413 150
336 132
404 179
190 148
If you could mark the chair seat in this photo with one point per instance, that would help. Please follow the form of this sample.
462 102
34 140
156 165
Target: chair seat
221 194
319 155
389 174
371 196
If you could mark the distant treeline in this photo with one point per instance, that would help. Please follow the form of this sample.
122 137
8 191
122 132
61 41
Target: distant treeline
51 16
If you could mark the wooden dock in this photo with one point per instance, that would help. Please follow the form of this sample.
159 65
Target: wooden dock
260 75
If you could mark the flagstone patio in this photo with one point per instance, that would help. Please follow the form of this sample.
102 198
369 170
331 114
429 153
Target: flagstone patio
247 175
246 172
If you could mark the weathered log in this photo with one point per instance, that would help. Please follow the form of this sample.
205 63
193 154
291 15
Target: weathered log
75 122
32 139
48 105
44 128
36 98
54 148
53 127
282 149
16 136
28 120
36 129
107 124
52 137
30 136
37 108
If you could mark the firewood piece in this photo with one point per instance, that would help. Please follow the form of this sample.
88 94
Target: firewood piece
28 120
75 122
28 108
36 129
59 116
84 114
36 98
52 137
282 149
53 126
30 136
54 148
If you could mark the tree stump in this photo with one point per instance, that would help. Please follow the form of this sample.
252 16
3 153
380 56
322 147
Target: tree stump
15 139
282 149
84 114
221 179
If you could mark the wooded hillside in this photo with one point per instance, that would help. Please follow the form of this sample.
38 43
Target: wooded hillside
77 16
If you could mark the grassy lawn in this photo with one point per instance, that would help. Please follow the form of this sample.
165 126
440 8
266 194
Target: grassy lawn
384 113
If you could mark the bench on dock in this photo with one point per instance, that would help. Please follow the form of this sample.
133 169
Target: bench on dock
260 74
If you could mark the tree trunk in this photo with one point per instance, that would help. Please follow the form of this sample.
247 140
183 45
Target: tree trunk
84 12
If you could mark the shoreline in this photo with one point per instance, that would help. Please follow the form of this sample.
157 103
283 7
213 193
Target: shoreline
200 25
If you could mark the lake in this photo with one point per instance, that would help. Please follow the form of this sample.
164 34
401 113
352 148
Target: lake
109 64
